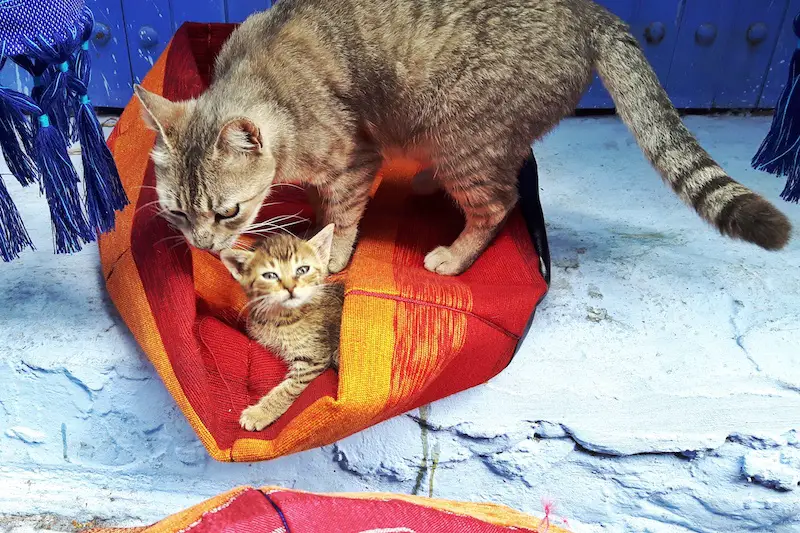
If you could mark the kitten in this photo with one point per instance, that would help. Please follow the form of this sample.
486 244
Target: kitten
292 311
320 91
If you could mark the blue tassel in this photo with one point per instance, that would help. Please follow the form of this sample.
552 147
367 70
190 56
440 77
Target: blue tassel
60 186
55 101
16 134
13 236
780 152
104 192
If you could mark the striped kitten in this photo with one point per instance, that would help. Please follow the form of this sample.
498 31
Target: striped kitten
320 91
292 311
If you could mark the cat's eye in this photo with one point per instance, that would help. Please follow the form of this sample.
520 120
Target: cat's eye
302 270
228 213
269 275
177 214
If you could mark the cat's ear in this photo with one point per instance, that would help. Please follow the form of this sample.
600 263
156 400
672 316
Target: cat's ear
236 261
240 136
158 113
322 243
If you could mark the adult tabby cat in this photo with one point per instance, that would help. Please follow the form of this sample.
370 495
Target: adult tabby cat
320 91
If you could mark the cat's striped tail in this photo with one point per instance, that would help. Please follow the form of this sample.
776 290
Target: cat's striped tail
698 180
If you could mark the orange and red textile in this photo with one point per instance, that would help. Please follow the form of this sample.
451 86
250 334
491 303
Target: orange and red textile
408 336
276 510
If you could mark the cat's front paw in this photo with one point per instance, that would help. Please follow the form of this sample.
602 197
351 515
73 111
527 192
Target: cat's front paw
443 261
341 252
256 418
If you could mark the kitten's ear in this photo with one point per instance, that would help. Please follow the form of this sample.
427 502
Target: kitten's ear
240 136
236 261
158 113
322 243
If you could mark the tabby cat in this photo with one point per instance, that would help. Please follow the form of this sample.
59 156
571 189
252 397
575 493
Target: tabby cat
292 311
321 91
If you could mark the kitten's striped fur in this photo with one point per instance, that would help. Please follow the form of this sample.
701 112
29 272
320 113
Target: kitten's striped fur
297 315
320 91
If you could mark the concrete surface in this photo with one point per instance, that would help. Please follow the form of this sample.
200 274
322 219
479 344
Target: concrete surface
658 390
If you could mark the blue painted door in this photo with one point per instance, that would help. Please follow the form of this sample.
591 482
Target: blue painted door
778 70
655 25
748 51
707 53
596 96
111 67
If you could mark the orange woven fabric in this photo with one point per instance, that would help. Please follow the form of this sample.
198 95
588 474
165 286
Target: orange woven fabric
277 510
408 336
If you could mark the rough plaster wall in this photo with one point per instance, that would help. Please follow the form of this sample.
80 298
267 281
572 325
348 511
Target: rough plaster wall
658 390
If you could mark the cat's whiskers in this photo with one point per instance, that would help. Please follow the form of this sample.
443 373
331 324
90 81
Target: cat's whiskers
148 204
169 238
274 221
294 185
254 303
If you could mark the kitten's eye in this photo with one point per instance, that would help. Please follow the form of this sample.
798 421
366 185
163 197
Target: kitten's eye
229 213
302 270
269 275
178 214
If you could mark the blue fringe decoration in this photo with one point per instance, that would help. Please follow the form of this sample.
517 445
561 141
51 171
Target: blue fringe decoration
780 152
13 236
104 192
16 134
60 186
54 79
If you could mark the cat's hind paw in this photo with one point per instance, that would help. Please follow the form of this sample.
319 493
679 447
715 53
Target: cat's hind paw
256 418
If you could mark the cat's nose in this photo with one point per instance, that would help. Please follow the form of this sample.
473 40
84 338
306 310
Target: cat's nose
203 239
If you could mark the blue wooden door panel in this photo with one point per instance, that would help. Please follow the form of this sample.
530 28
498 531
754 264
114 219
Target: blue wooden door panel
238 10
197 11
596 96
696 47
111 84
149 29
778 71
656 25
700 52
748 52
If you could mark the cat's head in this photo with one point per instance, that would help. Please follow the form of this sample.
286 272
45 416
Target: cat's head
213 168
282 270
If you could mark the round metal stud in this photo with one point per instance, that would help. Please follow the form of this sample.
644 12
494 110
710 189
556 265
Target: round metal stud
706 34
148 37
655 32
101 34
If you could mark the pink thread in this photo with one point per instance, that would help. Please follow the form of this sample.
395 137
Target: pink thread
548 506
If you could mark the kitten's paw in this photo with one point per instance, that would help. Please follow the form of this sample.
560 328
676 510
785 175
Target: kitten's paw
423 183
443 261
256 418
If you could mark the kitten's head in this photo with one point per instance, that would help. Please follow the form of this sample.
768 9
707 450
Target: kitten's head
282 270
213 168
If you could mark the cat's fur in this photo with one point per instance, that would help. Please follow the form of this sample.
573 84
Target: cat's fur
320 91
297 315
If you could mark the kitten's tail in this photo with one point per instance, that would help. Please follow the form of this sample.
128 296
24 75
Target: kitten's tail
698 180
